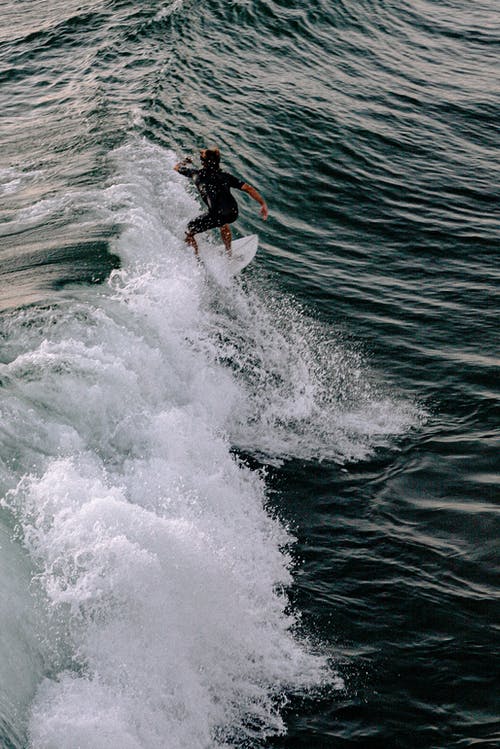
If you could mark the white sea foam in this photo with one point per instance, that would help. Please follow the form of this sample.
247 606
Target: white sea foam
20 660
164 572
168 9
12 180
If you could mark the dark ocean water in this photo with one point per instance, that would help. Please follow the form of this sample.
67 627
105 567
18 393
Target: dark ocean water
259 512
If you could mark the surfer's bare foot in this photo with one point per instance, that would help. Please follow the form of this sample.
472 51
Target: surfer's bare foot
191 241
225 233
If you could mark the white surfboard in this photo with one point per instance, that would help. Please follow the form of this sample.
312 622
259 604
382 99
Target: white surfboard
243 251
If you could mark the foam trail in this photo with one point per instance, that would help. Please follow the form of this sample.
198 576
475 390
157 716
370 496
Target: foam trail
164 575
305 393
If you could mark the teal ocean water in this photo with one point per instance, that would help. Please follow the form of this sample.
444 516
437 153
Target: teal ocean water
260 511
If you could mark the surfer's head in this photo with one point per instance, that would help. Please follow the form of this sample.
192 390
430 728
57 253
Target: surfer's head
210 157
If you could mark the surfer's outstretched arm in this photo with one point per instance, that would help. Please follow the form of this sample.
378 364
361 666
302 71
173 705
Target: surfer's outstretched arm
258 197
185 168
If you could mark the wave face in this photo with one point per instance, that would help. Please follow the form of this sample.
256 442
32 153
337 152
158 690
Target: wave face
159 564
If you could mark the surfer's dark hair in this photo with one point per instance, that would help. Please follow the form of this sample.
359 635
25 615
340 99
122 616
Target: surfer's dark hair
210 157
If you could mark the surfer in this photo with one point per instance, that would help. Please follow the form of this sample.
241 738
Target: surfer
214 186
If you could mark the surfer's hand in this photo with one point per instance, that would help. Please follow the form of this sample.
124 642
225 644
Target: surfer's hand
264 212
182 163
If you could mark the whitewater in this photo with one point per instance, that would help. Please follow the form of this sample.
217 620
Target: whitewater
137 421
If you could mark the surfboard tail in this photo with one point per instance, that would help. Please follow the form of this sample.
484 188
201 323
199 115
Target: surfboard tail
243 252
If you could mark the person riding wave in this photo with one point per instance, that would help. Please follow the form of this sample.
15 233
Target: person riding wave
214 186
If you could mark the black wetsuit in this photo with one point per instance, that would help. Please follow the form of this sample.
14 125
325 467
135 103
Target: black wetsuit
214 186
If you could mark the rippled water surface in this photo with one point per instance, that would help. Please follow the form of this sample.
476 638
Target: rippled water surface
262 511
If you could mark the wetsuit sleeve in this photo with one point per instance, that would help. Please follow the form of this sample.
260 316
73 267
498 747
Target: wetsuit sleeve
186 171
234 182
